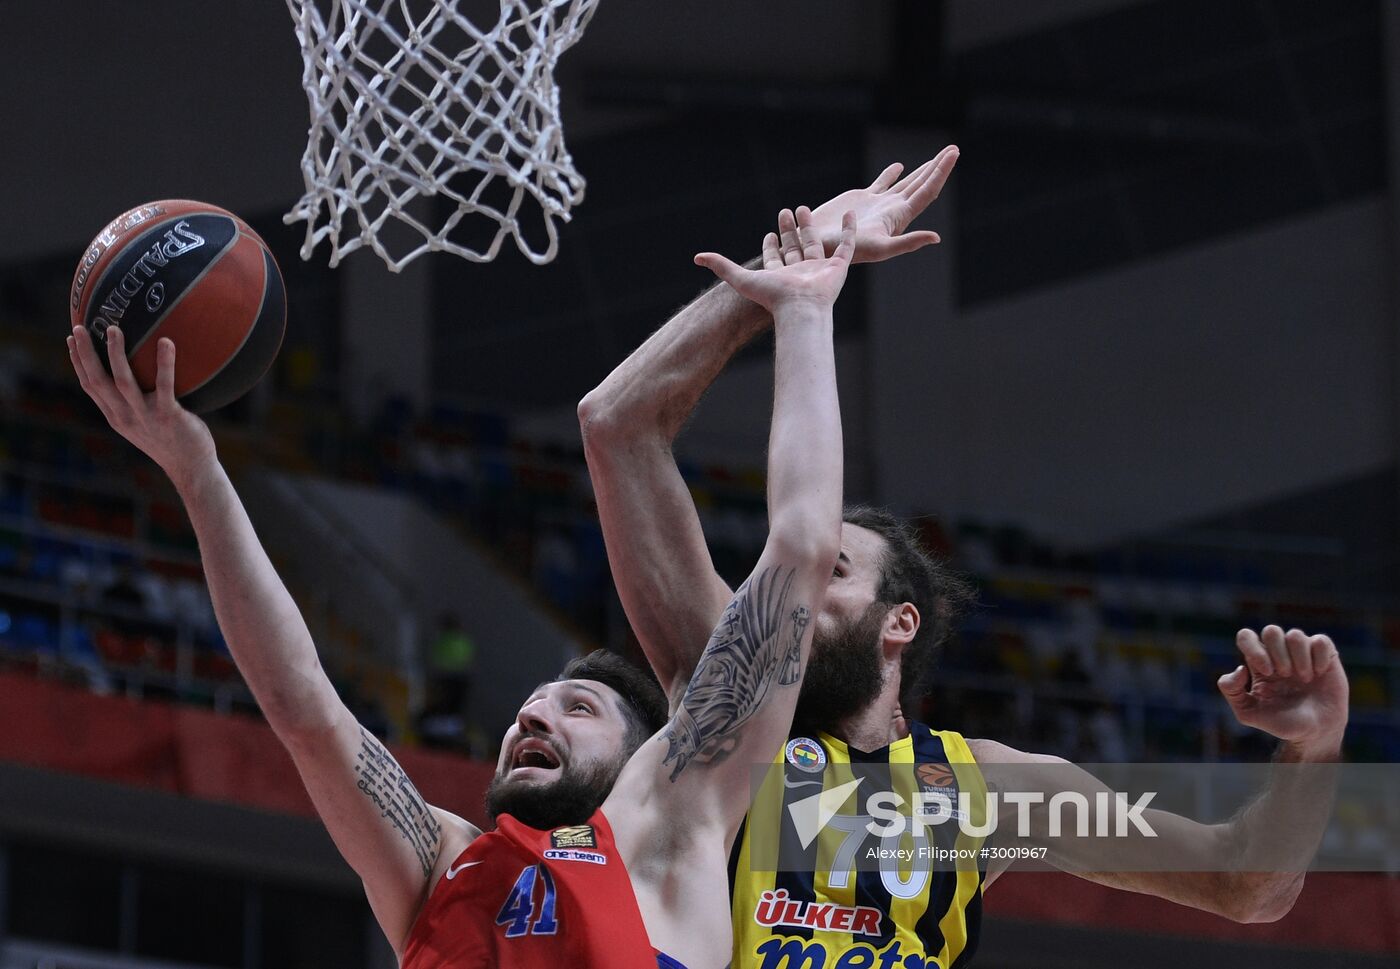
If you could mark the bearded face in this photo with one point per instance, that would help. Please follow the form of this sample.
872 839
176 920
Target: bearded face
548 792
843 674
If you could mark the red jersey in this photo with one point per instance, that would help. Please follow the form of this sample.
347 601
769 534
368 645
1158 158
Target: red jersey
522 898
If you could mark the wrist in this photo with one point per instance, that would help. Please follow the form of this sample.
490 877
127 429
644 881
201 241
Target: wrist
1311 750
802 309
191 476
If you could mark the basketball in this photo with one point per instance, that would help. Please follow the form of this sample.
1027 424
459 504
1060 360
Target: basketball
192 272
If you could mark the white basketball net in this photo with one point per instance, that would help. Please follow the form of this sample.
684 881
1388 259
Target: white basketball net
405 107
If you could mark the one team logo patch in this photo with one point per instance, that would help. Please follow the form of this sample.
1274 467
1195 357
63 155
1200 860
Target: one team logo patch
573 836
806 754
575 854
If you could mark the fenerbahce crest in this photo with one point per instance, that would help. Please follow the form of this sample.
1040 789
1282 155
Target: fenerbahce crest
806 754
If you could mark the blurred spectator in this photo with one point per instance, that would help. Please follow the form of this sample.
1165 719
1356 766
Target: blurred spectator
189 601
15 363
157 594
451 658
132 613
125 593
556 565
1106 732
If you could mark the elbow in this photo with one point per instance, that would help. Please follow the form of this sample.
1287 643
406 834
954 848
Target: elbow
599 417
302 710
610 425
307 730
592 411
1272 909
1252 914
1270 914
598 427
806 541
293 724
1250 904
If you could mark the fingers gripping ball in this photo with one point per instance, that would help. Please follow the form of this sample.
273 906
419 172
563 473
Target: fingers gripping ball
194 273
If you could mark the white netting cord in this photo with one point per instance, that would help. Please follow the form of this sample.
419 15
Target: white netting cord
406 108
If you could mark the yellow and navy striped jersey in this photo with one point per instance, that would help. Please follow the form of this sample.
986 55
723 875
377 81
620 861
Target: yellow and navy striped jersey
813 887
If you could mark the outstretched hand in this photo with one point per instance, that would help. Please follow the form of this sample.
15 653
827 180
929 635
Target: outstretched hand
155 422
1291 685
795 266
885 208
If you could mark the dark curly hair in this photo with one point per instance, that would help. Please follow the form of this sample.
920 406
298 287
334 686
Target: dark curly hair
911 573
643 702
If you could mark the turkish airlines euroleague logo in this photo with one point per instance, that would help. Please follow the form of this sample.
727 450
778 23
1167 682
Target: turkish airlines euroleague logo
179 240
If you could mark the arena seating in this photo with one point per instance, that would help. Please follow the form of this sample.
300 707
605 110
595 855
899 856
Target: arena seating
1105 656
100 578
1098 657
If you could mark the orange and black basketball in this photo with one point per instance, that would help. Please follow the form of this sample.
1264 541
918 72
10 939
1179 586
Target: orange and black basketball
194 273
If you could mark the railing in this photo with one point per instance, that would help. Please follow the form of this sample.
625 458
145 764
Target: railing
76 612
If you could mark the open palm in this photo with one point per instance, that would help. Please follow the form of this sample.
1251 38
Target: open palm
885 208
795 265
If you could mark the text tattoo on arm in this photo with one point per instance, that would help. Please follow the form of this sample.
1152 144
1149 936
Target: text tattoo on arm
384 782
758 641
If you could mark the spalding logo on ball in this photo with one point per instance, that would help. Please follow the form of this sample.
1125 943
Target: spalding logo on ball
196 274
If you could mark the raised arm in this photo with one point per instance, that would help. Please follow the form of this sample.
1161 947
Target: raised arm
667 583
1250 868
660 564
381 825
738 706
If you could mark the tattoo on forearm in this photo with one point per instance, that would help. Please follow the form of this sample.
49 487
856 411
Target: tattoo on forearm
384 782
758 641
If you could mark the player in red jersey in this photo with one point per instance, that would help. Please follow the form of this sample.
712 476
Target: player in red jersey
612 836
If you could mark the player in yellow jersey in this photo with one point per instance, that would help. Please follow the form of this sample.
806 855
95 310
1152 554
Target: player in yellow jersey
887 608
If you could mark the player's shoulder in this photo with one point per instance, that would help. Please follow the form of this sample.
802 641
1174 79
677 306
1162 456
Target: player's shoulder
953 745
995 752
